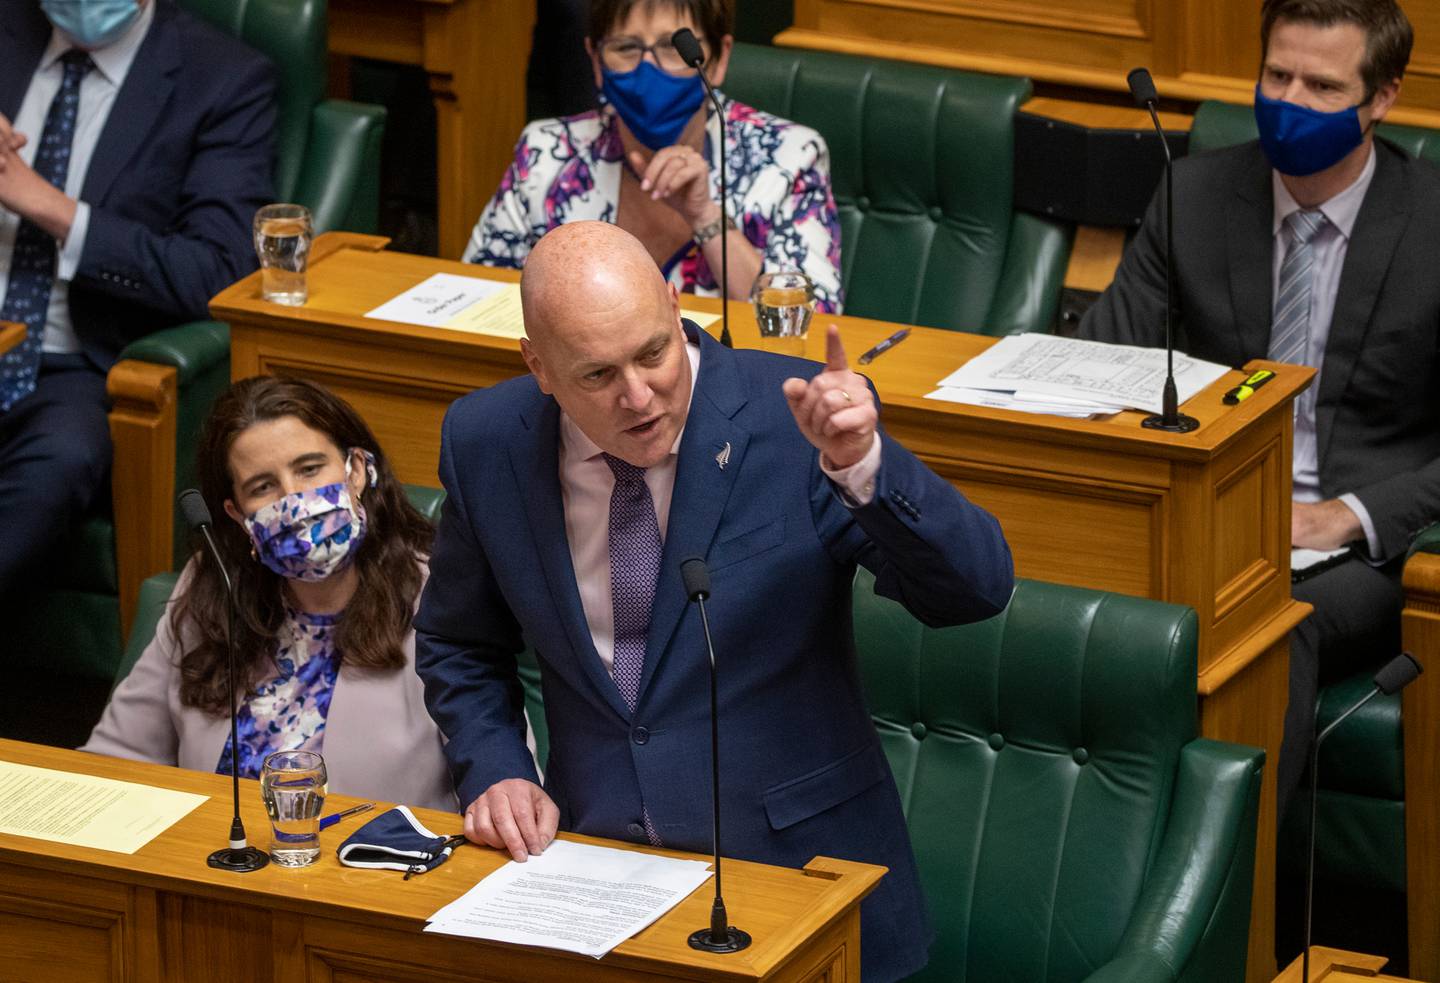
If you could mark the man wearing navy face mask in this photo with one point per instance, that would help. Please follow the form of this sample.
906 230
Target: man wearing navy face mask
135 145
1317 245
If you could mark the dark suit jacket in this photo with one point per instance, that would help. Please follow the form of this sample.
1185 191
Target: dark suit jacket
1378 407
802 769
185 159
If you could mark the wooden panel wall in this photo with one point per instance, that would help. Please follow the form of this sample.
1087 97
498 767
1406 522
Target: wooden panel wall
1196 49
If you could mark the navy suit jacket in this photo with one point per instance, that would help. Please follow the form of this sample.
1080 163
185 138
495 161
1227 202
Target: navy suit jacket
802 770
185 159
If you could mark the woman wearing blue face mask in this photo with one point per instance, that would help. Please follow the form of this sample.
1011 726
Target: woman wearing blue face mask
648 160
328 559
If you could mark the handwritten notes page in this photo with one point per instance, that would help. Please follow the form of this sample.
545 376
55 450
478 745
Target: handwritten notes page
575 897
81 810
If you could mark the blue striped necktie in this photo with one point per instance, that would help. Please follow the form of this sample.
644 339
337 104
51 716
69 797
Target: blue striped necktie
1290 330
32 266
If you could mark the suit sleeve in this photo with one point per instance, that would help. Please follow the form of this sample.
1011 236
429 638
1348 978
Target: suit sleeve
207 245
943 558
1131 311
1402 505
466 640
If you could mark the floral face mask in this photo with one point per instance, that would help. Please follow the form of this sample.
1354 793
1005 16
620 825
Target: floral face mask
309 535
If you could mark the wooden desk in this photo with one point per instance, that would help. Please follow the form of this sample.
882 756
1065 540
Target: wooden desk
475 52
11 334
1201 519
71 913
1339 966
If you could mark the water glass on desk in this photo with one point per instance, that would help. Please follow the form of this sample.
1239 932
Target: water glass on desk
292 783
282 241
784 303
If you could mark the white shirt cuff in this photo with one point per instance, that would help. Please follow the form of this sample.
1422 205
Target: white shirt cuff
69 259
857 482
1363 514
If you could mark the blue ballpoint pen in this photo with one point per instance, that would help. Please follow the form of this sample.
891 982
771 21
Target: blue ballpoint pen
885 346
327 821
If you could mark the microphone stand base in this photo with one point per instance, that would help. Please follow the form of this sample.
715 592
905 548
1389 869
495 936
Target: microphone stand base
238 861
735 940
1181 423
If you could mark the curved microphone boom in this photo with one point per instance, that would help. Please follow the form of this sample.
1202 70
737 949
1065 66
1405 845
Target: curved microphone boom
688 47
721 936
239 856
1394 676
1142 88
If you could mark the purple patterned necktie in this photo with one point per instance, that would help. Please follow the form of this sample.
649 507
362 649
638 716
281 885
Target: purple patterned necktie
32 267
634 565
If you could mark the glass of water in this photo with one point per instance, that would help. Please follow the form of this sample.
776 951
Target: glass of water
282 241
292 783
784 302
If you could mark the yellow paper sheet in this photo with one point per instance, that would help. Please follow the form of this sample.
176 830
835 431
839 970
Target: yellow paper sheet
500 315
81 810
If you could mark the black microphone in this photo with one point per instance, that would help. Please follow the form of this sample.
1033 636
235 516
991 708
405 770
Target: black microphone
1394 676
688 47
239 857
721 936
1142 87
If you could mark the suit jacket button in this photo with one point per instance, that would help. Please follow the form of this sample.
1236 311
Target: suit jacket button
640 735
635 829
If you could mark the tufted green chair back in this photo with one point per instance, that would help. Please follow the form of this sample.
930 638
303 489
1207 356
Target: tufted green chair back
921 162
1220 124
1037 756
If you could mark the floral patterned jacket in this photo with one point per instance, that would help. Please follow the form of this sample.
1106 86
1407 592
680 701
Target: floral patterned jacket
778 172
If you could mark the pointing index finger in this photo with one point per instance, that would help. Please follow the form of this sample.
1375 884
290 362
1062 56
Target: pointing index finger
835 360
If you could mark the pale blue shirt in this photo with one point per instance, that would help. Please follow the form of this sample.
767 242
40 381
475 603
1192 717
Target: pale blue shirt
1330 244
97 97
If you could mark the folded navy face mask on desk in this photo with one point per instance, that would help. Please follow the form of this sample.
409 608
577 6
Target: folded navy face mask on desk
396 840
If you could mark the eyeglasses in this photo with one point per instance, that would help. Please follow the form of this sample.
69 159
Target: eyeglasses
624 54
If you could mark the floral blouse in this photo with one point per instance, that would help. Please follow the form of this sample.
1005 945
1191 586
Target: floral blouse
569 170
288 712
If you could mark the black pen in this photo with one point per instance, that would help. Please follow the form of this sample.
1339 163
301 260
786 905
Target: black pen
884 346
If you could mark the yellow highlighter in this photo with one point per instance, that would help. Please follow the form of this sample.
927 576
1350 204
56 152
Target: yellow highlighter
1247 388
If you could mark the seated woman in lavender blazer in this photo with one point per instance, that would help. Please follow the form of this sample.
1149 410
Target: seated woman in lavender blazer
328 560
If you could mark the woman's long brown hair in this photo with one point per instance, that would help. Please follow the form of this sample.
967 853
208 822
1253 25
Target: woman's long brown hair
372 632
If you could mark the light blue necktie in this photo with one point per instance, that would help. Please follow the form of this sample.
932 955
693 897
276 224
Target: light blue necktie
32 267
634 566
1290 330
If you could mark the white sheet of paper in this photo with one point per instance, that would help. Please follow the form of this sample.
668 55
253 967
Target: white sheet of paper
1122 375
575 897
1008 401
467 303
1303 559
82 810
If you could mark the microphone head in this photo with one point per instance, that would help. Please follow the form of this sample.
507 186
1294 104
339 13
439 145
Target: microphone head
1142 86
1398 673
695 575
688 46
194 509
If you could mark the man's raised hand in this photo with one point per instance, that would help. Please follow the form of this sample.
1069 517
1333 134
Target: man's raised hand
835 410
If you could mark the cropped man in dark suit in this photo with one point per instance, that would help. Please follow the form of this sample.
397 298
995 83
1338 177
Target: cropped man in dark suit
1317 245
136 143
575 493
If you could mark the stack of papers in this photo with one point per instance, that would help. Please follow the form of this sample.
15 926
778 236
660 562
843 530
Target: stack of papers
468 303
1036 373
575 897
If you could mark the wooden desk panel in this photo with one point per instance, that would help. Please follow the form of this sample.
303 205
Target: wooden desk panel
71 913
1201 519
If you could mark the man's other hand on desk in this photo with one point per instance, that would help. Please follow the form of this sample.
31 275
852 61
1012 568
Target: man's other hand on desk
1326 525
514 815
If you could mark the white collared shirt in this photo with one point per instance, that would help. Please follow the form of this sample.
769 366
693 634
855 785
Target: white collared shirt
1330 245
97 97
586 483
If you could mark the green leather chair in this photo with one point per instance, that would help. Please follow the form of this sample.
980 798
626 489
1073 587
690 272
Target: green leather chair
922 166
67 633
156 590
1068 823
1360 819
